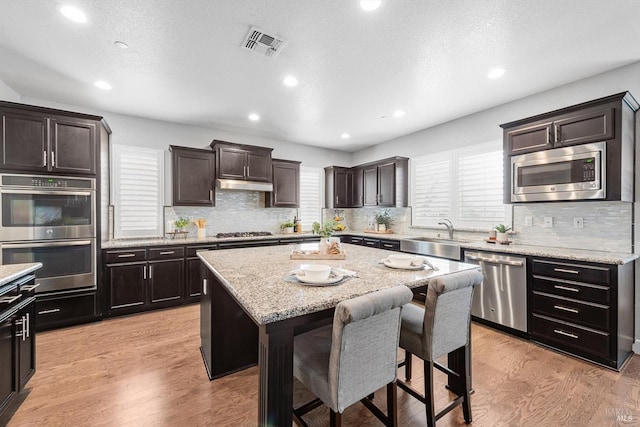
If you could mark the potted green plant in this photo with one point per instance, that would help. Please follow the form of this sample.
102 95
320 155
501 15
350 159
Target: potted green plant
324 230
501 232
181 223
287 226
383 219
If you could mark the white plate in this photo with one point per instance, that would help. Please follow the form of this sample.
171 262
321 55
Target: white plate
412 267
333 279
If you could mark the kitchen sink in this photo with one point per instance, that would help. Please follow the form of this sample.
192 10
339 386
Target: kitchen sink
438 247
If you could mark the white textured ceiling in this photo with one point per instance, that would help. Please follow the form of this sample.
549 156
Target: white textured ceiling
427 57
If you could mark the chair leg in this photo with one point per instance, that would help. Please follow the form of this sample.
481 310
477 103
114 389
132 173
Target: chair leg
392 404
466 375
428 394
407 366
335 418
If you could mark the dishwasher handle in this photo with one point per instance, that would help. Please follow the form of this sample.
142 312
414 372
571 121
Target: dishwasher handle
495 261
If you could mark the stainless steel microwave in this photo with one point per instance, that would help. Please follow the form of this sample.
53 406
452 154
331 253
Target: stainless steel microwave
576 172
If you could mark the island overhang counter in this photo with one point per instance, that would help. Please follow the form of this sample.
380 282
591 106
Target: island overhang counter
252 307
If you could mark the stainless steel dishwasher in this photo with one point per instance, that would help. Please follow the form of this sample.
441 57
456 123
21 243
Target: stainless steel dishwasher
502 297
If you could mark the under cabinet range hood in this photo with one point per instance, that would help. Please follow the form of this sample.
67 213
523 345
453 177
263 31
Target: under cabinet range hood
238 184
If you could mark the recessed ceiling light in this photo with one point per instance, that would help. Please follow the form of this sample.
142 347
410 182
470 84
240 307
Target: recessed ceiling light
496 72
73 13
345 136
254 117
102 85
398 113
290 81
370 5
121 45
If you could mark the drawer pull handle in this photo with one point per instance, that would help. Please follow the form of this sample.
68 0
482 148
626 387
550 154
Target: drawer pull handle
566 334
30 288
126 255
10 300
50 311
564 270
570 310
566 288
167 252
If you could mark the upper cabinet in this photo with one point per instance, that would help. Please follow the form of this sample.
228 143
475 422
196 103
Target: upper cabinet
572 128
380 183
286 184
35 139
343 187
242 162
610 120
193 176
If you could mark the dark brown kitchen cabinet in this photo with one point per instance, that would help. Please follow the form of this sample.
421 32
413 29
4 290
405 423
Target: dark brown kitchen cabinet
286 184
193 288
580 127
17 342
36 139
582 308
385 183
143 279
343 187
242 162
193 176
610 120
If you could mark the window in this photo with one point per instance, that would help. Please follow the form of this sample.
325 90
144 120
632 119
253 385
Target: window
137 191
310 196
463 185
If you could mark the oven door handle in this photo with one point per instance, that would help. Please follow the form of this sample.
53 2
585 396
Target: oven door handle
44 245
50 192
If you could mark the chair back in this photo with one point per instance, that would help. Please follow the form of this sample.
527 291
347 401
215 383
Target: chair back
364 344
447 313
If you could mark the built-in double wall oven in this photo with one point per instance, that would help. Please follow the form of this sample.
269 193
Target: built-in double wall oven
51 220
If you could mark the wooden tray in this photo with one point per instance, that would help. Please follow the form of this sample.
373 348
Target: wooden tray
379 232
303 255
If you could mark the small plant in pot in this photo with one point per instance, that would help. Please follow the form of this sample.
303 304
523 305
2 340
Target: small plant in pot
181 224
501 232
287 227
383 220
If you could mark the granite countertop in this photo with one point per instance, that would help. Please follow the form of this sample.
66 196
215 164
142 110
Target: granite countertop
519 249
9 272
256 279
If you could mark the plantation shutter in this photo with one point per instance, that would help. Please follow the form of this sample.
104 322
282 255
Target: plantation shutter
431 189
480 187
310 196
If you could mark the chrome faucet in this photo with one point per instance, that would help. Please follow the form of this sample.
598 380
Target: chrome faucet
447 223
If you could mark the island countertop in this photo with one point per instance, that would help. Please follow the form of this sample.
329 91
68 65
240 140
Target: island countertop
9 272
255 277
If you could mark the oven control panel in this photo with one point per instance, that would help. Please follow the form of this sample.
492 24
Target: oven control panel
39 181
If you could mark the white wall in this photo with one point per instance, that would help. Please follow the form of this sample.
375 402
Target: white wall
8 94
485 125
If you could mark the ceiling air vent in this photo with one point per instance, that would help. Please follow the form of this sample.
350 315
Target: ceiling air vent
263 43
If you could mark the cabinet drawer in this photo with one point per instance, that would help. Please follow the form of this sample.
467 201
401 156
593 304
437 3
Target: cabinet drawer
355 240
588 314
166 253
567 288
392 245
372 243
555 331
575 272
64 310
192 250
129 255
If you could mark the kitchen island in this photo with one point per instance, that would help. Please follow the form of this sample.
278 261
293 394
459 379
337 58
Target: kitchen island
252 308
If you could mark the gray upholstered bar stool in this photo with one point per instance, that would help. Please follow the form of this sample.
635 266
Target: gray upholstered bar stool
440 328
346 362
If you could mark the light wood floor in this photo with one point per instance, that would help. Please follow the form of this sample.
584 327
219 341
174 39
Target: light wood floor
146 370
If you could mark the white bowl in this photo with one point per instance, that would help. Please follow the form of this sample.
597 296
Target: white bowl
401 260
316 272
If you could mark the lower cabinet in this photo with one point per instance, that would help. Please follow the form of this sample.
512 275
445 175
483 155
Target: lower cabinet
193 284
582 308
53 311
153 278
389 244
17 346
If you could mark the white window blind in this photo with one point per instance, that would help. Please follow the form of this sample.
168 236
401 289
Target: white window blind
137 191
310 196
463 185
